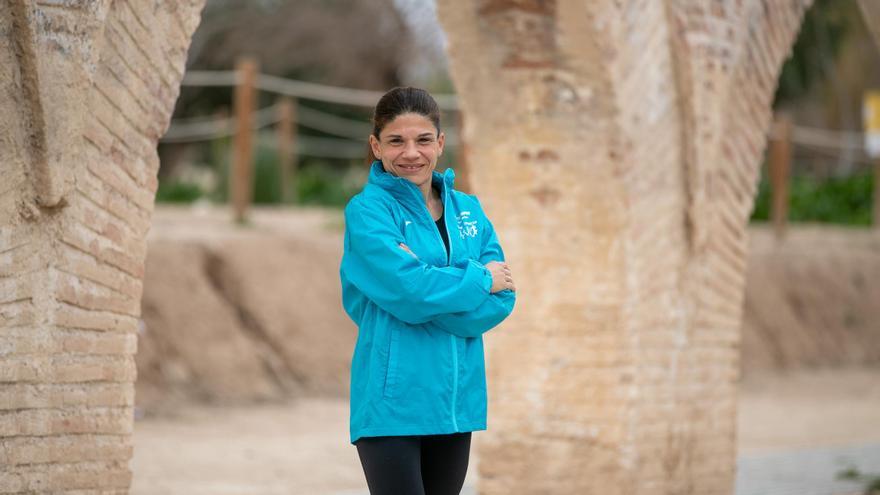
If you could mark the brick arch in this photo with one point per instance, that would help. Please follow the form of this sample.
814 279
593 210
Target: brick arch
617 143
618 146
871 15
90 91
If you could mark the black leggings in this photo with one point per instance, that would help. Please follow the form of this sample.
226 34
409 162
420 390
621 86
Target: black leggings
415 465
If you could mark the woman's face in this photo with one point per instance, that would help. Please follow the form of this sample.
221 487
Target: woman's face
409 147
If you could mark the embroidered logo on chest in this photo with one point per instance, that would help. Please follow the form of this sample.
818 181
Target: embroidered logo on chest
466 226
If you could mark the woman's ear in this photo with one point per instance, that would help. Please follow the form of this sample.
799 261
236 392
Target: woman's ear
374 145
441 140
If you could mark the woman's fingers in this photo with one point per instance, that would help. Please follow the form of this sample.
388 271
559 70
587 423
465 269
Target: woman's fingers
508 276
502 276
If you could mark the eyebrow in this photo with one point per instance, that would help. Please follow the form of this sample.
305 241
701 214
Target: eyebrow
424 134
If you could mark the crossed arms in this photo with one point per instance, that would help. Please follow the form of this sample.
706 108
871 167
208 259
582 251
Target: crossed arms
455 299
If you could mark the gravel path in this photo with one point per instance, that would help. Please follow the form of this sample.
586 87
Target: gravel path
807 471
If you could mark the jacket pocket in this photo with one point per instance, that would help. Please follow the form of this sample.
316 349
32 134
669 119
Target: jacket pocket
391 369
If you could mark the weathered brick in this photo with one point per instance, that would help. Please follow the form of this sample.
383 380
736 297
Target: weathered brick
84 143
74 317
60 477
636 320
49 449
51 395
116 421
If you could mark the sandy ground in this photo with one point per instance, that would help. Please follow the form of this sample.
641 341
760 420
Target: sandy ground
814 304
807 409
302 446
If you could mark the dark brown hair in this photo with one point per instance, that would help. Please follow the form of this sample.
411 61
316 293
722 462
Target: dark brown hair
398 101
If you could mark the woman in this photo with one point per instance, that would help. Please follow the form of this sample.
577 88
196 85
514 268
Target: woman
423 277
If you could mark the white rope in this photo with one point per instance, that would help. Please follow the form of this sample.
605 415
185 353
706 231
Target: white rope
210 78
302 89
802 135
320 147
332 124
823 138
197 129
201 129
861 160
816 137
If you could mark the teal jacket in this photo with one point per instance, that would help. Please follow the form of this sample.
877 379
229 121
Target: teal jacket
418 366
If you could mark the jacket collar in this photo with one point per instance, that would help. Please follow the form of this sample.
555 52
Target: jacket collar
404 190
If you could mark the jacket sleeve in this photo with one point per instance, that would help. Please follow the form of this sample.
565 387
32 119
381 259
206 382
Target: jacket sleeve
493 310
396 281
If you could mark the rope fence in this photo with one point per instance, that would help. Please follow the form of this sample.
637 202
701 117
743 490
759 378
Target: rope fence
350 140
302 89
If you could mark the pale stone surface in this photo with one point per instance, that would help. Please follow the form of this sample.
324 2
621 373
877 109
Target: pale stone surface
871 13
88 88
616 145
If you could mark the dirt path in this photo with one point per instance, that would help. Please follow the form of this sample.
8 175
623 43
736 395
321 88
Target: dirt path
302 447
809 409
299 447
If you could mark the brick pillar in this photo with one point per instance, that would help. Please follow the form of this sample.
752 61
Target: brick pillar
87 89
871 14
615 145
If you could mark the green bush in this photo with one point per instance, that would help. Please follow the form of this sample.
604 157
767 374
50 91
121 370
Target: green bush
871 482
266 177
845 200
178 192
318 182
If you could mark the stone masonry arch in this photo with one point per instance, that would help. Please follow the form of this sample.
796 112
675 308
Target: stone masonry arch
615 145
871 14
87 89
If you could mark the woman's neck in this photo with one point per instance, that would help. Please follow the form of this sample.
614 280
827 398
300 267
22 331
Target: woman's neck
429 193
433 202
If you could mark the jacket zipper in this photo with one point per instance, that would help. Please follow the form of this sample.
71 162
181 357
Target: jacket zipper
451 336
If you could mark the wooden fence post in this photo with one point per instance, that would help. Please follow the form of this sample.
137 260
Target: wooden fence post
780 171
287 152
241 185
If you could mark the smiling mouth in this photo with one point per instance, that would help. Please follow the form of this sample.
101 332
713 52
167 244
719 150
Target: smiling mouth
410 167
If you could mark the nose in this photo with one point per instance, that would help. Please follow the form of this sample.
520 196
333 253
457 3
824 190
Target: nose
411 151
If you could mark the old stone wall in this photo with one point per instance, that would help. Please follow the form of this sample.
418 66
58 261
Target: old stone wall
871 14
615 145
87 89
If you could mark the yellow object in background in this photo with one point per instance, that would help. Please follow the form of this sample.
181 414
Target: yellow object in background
871 117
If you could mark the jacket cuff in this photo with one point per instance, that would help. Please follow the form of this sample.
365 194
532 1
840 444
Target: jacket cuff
484 279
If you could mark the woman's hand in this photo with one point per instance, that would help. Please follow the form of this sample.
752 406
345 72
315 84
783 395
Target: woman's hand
501 276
